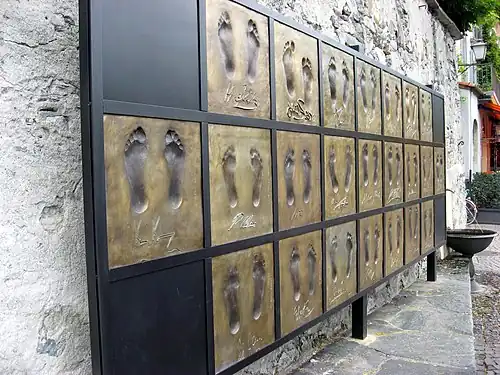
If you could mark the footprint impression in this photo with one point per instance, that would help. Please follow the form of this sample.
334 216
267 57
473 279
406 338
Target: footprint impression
289 174
366 239
387 103
332 80
253 45
399 232
364 154
135 157
259 283
349 247
333 254
376 238
398 98
225 32
348 168
288 67
389 235
228 170
364 93
295 273
232 301
375 165
415 166
332 159
373 80
398 166
408 168
345 90
256 164
307 80
311 268
306 164
389 164
175 156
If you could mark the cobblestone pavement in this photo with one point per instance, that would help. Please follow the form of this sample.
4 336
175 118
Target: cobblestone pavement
486 308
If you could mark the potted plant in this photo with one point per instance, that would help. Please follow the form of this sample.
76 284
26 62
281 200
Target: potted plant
484 190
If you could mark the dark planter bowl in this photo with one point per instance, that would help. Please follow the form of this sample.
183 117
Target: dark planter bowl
488 215
469 241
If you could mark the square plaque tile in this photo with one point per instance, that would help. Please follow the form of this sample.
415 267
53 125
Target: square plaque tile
370 174
394 239
369 106
370 251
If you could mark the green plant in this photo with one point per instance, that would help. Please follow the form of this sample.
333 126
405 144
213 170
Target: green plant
484 190
465 13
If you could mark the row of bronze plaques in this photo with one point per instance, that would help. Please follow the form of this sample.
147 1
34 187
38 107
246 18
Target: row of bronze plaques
243 282
153 182
238 79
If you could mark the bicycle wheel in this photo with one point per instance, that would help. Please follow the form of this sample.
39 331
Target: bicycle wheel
471 210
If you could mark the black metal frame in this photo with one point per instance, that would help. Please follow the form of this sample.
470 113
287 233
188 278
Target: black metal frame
94 106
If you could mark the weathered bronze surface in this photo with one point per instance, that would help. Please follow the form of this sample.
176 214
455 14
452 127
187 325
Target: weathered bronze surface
410 111
427 226
338 88
392 97
300 280
339 175
412 233
369 107
370 250
296 61
243 304
427 171
425 116
394 239
298 179
237 60
341 250
440 171
153 188
393 173
370 174
240 182
412 172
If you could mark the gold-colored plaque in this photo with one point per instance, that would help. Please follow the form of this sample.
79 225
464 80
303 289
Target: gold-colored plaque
425 116
394 237
243 304
393 171
370 170
427 226
153 188
392 97
296 62
237 60
427 171
410 111
338 84
240 182
298 179
370 250
412 172
440 171
412 233
369 106
341 249
340 186
300 280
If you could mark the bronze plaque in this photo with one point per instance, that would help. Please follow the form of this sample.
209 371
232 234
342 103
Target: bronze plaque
427 171
412 233
393 118
298 179
296 62
243 304
300 280
237 60
425 116
427 226
394 237
440 171
410 111
412 172
240 183
393 171
370 170
340 186
370 251
153 188
369 107
341 249
338 88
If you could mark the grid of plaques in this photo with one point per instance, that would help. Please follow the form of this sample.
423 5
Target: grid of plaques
154 195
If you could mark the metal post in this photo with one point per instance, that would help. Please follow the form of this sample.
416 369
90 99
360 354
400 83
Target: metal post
431 267
359 318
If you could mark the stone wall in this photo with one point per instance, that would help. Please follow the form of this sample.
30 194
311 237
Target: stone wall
43 307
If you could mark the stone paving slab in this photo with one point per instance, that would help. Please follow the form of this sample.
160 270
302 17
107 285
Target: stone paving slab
425 330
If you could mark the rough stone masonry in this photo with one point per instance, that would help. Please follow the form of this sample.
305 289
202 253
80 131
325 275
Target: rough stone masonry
43 305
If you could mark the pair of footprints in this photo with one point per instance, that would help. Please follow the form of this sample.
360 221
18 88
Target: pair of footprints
368 103
332 168
439 167
289 68
387 104
411 107
391 158
231 292
333 73
413 223
409 161
399 232
290 173
136 150
428 224
295 271
334 247
426 111
364 160
229 172
226 42
366 240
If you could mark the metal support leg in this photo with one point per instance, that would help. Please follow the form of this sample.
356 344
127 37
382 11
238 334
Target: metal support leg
431 267
359 318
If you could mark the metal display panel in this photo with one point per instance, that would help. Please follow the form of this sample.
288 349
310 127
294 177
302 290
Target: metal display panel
412 172
201 119
425 116
393 171
410 111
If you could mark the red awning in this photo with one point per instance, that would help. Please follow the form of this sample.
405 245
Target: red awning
494 110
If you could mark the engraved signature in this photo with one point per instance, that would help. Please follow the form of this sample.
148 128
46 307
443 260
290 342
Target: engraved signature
394 194
302 312
370 273
369 198
242 221
246 99
156 237
296 111
298 212
336 295
344 202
